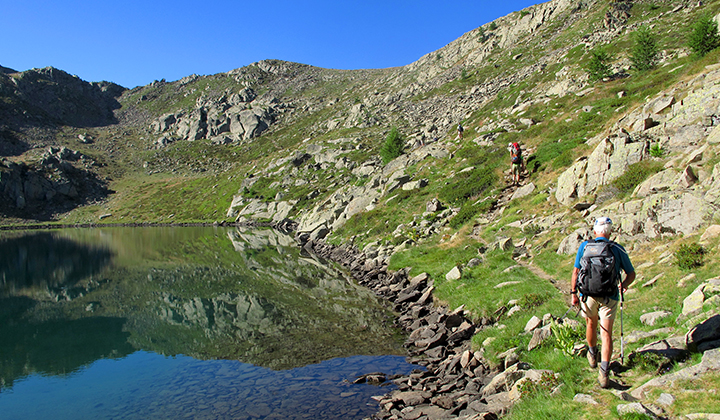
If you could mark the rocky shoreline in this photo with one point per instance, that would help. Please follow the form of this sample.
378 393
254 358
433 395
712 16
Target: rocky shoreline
457 382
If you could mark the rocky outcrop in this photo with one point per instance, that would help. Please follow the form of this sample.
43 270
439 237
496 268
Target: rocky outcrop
59 181
343 203
237 117
680 199
49 96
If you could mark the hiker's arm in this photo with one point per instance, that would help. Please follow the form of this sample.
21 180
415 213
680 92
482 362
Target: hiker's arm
574 300
629 278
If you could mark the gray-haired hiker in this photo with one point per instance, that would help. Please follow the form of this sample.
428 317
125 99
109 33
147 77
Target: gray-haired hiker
595 285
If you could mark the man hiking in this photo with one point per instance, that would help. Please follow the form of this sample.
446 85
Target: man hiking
517 162
460 130
595 285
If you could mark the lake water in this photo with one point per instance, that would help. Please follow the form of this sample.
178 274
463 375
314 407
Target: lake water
193 322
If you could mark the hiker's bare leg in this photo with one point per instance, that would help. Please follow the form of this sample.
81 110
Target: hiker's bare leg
606 336
591 331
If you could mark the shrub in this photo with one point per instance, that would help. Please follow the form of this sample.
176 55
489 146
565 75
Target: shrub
636 173
392 147
689 256
598 66
533 300
704 36
644 52
656 150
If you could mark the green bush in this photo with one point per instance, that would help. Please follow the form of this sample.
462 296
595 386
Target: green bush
704 36
392 147
598 67
644 52
690 256
636 173
656 150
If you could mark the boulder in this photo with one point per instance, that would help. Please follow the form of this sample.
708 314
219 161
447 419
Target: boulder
653 317
707 331
571 243
608 161
453 274
523 191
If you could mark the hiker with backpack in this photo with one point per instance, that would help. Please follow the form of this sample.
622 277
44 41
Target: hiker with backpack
597 286
517 162
460 130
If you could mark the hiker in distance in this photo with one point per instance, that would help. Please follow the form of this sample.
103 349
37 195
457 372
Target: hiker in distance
460 130
597 286
517 162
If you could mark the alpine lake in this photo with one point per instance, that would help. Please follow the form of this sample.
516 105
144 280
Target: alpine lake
185 322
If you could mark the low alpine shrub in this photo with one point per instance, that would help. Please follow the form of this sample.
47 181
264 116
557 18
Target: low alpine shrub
690 256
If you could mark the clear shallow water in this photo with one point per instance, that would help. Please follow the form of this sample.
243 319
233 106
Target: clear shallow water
184 323
146 385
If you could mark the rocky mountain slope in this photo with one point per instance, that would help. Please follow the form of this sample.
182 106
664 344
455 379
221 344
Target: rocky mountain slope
299 147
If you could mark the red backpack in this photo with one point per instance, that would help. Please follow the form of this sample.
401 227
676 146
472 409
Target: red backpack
516 154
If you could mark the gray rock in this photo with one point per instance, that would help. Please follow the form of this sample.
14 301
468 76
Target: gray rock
710 363
523 191
635 408
585 399
665 399
454 274
539 336
571 243
708 331
533 323
653 317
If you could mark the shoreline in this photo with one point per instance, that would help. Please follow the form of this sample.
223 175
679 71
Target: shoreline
457 382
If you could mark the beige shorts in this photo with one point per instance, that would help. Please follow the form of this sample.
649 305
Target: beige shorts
606 308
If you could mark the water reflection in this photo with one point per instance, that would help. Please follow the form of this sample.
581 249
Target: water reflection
72 297
44 261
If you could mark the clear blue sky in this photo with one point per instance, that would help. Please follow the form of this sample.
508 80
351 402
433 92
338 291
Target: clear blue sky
134 42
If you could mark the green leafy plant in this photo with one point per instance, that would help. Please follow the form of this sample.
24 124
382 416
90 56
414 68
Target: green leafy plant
392 147
704 36
656 150
644 53
598 66
690 256
565 337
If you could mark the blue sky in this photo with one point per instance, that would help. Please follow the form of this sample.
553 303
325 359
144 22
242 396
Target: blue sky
135 42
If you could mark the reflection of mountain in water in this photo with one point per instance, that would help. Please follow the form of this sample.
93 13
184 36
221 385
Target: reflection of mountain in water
204 292
58 347
43 261
271 308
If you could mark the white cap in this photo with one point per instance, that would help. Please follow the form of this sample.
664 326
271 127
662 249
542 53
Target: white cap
600 221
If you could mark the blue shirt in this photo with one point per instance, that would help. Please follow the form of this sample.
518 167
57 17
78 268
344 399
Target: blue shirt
622 261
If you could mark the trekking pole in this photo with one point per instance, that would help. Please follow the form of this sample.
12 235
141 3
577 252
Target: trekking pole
622 342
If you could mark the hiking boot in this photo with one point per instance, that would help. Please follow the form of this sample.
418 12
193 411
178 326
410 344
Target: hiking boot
592 359
603 378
